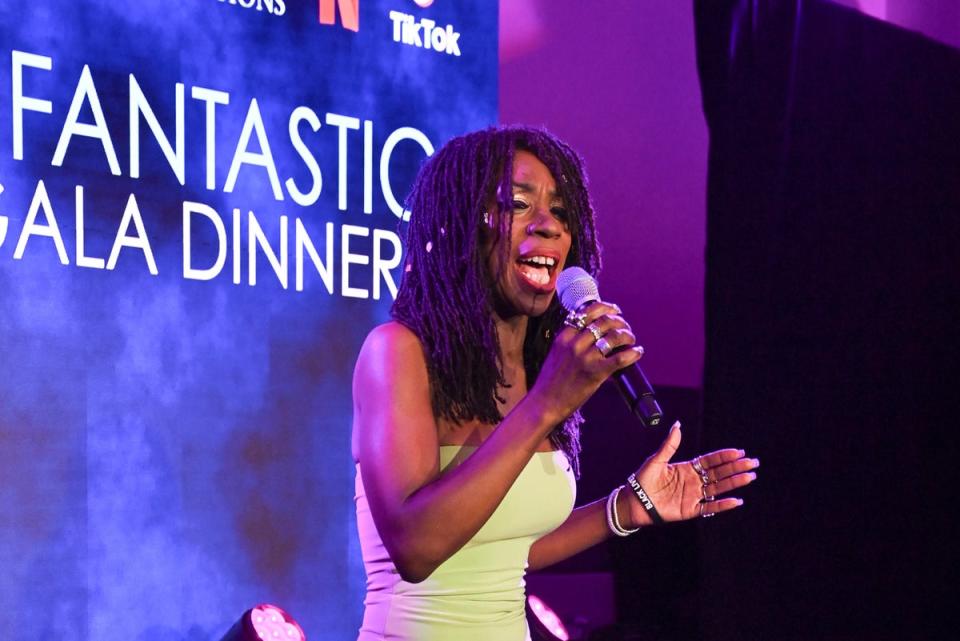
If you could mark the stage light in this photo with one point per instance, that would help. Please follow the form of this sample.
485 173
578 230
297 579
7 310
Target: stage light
267 623
544 623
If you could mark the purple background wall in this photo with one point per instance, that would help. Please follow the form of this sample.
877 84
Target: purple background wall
618 81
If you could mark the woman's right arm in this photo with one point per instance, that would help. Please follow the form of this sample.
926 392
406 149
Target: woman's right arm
424 518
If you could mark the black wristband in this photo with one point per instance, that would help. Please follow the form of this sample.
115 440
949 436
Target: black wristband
644 499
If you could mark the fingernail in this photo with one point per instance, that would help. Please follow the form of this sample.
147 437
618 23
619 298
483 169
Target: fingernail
755 462
676 424
753 477
739 502
638 349
742 453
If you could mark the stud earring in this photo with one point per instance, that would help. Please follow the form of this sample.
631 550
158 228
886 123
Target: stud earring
486 218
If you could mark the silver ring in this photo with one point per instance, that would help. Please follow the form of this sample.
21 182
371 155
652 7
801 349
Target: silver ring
707 499
596 332
604 346
697 467
576 321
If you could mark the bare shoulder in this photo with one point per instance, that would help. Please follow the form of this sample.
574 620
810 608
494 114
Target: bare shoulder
389 346
391 390
391 336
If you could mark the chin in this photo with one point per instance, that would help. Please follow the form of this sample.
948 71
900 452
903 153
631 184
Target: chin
537 306
522 305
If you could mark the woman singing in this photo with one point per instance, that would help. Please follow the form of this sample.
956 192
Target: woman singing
466 423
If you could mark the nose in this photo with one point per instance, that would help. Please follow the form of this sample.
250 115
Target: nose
545 224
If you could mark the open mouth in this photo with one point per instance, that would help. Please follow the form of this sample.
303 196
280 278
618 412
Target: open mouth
537 270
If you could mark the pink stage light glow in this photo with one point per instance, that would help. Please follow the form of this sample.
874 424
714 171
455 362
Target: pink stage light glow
936 19
875 8
270 622
548 618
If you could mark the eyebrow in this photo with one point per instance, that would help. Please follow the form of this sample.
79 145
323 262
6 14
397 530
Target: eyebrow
528 188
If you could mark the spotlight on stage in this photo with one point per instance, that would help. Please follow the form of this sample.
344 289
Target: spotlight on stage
544 623
265 622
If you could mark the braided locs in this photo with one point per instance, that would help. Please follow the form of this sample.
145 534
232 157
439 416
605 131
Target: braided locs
447 296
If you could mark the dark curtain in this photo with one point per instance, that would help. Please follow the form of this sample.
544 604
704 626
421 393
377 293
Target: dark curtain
831 304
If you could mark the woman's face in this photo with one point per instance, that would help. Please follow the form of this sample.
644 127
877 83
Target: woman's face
539 240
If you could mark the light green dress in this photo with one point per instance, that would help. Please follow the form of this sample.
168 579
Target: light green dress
478 593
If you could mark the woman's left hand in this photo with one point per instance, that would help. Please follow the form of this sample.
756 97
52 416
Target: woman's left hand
689 489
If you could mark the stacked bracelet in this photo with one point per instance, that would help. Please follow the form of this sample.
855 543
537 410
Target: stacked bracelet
613 522
644 499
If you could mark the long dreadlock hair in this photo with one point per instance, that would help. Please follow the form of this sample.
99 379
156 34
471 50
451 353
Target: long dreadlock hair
447 295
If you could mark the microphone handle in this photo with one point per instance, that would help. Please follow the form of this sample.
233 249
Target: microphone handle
634 387
637 392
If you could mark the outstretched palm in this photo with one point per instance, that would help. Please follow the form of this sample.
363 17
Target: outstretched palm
680 492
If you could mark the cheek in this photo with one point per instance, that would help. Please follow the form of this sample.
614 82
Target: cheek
498 265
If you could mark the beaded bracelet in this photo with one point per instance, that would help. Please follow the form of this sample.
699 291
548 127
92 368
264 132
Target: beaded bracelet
613 522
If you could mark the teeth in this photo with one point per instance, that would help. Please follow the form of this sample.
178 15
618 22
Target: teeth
547 261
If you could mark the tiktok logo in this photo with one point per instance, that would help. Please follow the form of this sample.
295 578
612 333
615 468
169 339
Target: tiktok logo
349 13
425 33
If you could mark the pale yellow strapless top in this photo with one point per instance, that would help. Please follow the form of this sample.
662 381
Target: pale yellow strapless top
478 593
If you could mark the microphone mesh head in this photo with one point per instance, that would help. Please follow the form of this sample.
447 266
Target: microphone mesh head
576 287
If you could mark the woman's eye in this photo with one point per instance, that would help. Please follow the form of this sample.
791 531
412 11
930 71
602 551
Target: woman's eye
518 204
560 213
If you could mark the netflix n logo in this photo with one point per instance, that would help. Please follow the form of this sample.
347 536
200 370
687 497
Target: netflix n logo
349 13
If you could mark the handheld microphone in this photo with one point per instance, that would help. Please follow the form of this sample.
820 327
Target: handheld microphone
577 289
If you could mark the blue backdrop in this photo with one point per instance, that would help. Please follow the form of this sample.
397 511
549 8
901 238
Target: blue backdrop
198 225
